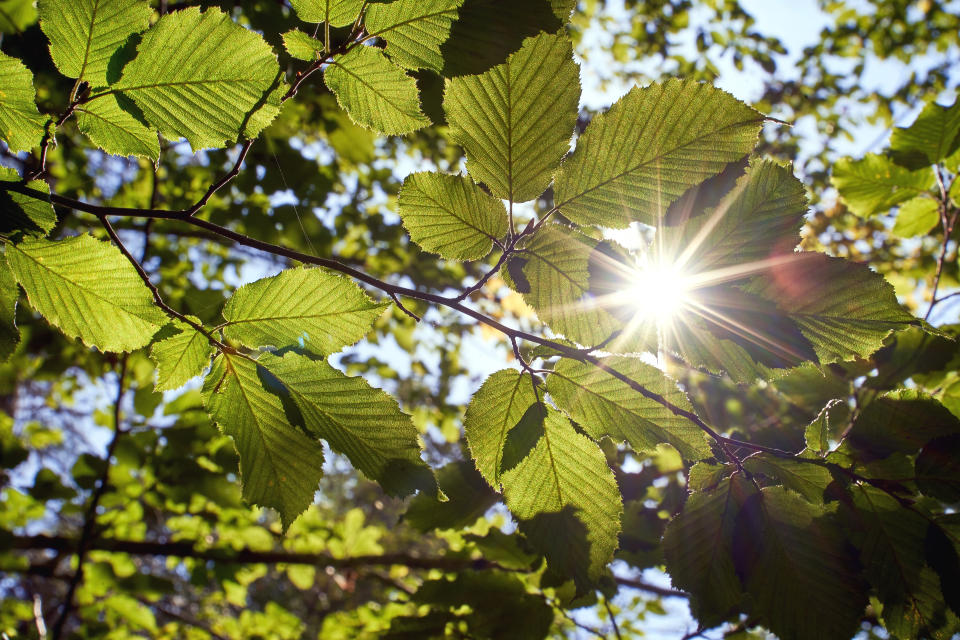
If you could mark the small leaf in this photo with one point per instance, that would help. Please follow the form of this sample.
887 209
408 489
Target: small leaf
606 406
916 217
305 307
203 77
16 15
450 215
116 130
85 34
807 479
376 93
652 144
413 29
874 184
180 357
301 46
280 466
931 138
819 433
361 422
9 293
339 13
514 137
88 290
31 214
468 495
21 125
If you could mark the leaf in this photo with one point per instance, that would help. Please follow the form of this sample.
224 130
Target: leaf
451 215
88 290
648 148
916 217
807 479
495 409
339 13
9 293
698 547
468 495
938 468
180 357
567 501
874 184
203 77
899 422
843 308
116 130
85 34
515 121
31 214
280 466
16 15
794 562
606 406
413 29
376 93
820 432
21 125
361 422
319 311
301 46
933 136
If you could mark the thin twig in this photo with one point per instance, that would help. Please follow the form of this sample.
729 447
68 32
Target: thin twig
400 305
216 186
652 588
613 619
483 280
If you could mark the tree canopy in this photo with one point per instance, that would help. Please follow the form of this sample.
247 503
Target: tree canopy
361 318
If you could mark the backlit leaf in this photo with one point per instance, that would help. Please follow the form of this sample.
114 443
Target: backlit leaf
17 15
809 480
648 148
339 13
21 125
301 46
9 292
468 498
88 290
515 121
31 214
874 183
931 138
916 217
413 29
116 130
904 421
180 357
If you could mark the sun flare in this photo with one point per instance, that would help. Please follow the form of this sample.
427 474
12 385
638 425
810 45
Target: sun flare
659 292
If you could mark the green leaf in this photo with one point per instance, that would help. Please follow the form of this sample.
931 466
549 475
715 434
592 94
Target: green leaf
203 77
515 121
903 421
361 422
606 406
567 501
698 547
916 217
375 92
180 357
843 308
468 495
9 293
21 125
16 15
113 128
653 144
280 466
796 568
807 479
85 34
938 468
317 310
931 138
874 183
495 409
819 433
413 29
88 290
32 215
301 46
451 215
339 13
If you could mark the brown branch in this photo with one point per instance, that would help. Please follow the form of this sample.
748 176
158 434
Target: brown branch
216 186
652 588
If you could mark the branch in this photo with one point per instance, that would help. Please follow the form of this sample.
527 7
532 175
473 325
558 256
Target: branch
199 204
652 588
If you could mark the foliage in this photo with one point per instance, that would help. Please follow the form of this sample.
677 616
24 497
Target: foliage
201 352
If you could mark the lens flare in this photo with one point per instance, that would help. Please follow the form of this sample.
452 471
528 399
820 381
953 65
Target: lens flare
659 292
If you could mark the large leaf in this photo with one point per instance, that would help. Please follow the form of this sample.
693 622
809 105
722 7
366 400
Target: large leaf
931 138
515 121
566 499
339 13
203 77
116 130
311 308
85 34
361 422
180 357
9 334
413 29
698 547
375 92
29 214
809 480
606 406
280 466
451 215
916 217
494 410
654 143
903 421
843 308
88 290
796 568
874 183
21 125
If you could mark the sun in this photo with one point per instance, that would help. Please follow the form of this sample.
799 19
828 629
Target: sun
659 292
